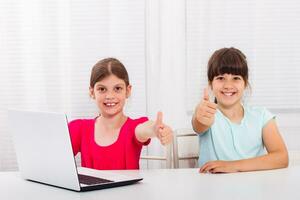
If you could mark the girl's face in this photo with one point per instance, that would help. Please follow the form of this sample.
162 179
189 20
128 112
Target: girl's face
228 89
110 95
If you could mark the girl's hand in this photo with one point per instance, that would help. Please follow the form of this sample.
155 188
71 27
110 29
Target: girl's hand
219 166
163 132
205 111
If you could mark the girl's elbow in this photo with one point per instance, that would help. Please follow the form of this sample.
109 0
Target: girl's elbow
280 160
284 160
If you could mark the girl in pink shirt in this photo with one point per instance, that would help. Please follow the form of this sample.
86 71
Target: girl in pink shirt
113 140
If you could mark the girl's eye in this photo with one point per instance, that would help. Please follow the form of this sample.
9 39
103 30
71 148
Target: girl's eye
118 89
219 78
237 78
101 89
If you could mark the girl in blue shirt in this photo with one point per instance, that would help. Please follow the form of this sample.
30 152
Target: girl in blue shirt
233 136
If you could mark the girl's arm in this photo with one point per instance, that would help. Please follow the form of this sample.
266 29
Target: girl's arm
150 129
277 156
198 127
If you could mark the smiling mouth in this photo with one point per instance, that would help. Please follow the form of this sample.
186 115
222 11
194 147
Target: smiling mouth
228 94
110 104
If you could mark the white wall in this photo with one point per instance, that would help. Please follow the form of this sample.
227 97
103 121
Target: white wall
289 126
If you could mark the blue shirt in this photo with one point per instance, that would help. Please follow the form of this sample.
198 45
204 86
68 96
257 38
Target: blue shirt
226 140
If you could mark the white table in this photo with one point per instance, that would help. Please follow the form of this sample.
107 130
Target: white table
170 184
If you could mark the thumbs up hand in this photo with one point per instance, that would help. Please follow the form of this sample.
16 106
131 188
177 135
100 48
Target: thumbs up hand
205 111
163 132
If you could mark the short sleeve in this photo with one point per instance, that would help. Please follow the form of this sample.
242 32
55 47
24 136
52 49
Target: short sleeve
75 135
203 133
135 124
266 116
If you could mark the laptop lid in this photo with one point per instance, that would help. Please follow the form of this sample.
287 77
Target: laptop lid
43 148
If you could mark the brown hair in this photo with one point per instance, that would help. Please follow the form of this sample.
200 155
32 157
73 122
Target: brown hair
227 61
107 67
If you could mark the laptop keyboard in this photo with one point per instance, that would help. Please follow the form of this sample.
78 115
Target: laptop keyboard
90 180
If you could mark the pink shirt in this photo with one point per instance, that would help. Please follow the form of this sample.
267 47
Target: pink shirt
122 154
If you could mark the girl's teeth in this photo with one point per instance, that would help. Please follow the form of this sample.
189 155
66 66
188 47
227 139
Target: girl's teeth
228 94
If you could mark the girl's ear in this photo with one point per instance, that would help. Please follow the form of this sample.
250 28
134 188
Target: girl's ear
91 92
128 91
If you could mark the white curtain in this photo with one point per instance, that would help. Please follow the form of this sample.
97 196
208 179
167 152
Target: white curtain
165 63
165 59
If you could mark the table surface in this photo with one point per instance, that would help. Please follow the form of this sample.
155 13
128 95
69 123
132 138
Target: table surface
170 184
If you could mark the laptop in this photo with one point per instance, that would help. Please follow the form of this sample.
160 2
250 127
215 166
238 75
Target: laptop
44 154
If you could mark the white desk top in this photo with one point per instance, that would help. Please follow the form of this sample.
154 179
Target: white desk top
170 184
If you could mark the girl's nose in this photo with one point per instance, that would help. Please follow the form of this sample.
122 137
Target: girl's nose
109 95
227 84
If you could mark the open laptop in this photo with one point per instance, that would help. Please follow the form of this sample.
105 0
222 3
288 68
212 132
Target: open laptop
44 154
